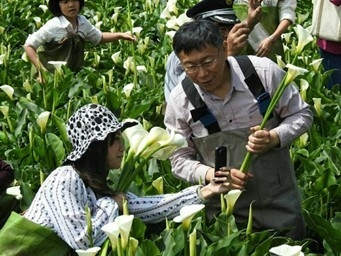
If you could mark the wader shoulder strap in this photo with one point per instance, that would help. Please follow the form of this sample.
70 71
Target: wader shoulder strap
251 77
254 83
200 111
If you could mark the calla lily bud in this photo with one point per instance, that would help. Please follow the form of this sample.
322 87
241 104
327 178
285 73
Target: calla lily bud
304 85
286 250
186 214
42 120
318 106
4 110
158 184
89 252
8 90
133 244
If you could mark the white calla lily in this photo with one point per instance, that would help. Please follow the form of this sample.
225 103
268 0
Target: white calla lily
231 198
293 72
286 250
14 191
127 89
158 184
186 214
89 252
43 7
42 120
112 231
304 85
134 135
116 57
304 37
124 223
316 64
8 90
57 65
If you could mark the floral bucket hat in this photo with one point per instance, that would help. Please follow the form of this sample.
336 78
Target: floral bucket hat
90 123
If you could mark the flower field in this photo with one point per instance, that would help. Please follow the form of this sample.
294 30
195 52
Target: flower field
128 78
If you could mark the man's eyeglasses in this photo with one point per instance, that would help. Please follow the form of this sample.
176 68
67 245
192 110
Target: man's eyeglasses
206 64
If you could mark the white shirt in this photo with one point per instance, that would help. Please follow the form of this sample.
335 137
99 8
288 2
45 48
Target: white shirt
60 205
58 27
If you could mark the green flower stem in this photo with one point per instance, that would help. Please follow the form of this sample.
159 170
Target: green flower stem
193 243
248 158
132 46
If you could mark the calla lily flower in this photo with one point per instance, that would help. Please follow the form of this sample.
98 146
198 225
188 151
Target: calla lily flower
316 64
57 65
129 64
112 231
89 252
14 191
318 106
4 110
115 15
134 135
42 120
124 223
293 72
43 7
286 250
8 90
133 244
127 89
231 198
304 37
303 140
141 68
186 214
137 31
38 21
2 58
116 57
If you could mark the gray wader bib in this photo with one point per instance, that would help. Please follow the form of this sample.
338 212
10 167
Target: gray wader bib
273 188
69 49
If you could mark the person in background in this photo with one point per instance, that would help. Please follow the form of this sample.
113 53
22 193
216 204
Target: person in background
330 51
6 175
219 83
63 37
8 203
59 205
234 32
277 16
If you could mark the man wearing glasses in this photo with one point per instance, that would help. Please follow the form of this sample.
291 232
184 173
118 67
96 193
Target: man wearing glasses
234 32
228 114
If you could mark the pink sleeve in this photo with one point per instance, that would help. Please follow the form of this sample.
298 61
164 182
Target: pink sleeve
336 2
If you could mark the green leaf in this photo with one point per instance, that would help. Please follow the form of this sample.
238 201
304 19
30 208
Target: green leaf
325 229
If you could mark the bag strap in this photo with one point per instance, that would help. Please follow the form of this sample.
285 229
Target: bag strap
200 111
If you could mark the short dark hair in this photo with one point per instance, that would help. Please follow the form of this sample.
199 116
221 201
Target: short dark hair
196 35
55 9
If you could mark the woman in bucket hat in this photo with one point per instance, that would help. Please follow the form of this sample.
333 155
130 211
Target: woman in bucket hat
59 205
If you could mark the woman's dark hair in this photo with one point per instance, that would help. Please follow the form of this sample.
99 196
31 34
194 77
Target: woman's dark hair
92 166
196 35
55 9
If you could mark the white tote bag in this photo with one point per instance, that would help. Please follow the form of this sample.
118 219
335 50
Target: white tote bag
326 21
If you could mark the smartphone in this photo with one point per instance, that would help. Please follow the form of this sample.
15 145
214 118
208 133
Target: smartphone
220 157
